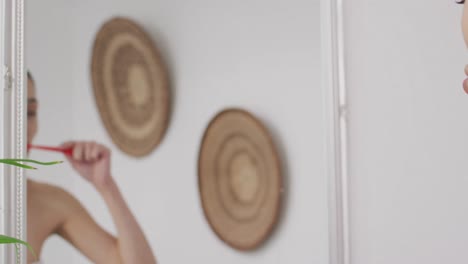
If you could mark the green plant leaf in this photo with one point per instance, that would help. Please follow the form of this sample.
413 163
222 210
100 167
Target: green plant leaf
39 162
16 162
12 240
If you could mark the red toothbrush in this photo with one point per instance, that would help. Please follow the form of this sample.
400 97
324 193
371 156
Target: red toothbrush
67 151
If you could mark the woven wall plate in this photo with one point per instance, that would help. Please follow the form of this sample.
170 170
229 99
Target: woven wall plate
240 179
131 86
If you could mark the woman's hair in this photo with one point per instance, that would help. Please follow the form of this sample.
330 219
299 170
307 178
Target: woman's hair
30 77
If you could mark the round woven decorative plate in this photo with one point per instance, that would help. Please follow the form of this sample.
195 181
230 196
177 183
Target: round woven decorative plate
240 180
131 86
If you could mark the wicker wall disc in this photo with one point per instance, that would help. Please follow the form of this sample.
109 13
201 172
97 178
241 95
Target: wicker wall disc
131 86
239 179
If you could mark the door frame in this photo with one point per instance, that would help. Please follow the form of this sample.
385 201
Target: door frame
335 98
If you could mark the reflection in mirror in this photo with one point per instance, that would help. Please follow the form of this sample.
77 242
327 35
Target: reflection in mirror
105 206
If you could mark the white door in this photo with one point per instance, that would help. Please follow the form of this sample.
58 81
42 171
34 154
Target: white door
408 127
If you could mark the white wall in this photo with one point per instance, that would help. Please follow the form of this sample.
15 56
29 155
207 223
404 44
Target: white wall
408 132
261 55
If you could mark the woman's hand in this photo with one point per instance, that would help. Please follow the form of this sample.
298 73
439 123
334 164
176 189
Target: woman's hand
92 161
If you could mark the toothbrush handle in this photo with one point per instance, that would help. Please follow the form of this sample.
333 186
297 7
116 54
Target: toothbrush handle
66 151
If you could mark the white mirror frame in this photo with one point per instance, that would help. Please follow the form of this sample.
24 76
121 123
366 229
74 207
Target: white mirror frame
13 123
334 85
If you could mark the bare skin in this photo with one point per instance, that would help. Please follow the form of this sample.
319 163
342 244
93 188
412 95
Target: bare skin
51 210
465 36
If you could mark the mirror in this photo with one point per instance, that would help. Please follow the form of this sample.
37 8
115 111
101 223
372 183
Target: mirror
264 56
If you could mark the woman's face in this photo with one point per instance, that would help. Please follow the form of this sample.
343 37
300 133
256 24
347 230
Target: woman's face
32 111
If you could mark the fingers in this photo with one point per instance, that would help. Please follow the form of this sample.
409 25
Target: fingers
87 151
67 144
94 152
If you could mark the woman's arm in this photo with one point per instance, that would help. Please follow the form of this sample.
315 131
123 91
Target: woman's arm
131 241
92 161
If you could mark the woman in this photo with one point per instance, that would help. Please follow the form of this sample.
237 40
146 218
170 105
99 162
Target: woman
465 35
52 210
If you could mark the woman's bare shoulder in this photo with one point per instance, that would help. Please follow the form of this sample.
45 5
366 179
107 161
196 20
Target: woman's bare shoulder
51 196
